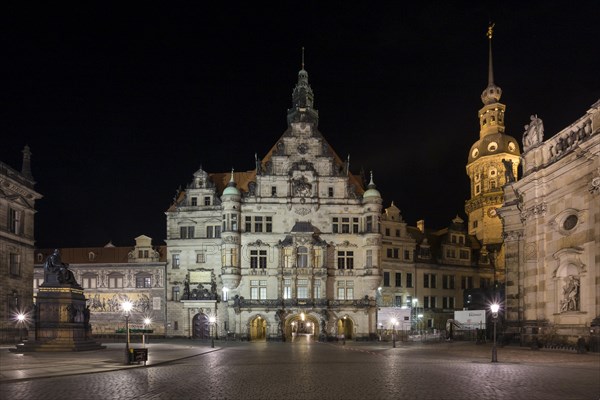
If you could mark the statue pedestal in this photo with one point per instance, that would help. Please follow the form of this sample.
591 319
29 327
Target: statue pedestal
61 321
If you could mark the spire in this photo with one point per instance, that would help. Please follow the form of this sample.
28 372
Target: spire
371 183
492 93
231 180
26 166
303 100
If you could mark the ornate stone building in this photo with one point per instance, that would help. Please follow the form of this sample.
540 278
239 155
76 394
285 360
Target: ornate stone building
552 233
492 162
17 209
289 248
112 275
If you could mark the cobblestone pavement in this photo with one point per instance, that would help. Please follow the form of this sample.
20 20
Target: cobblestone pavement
309 370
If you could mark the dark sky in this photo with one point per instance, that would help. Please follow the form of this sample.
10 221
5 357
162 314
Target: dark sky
121 104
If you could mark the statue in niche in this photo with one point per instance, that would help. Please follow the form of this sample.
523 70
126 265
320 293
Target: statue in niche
508 170
186 289
53 266
570 301
534 132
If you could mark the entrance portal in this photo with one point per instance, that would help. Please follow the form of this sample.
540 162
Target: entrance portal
345 328
200 327
301 326
258 328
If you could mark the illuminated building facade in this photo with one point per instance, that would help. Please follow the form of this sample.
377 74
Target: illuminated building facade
111 275
288 249
17 209
552 234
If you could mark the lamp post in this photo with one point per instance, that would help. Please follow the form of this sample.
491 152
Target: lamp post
394 321
126 306
494 307
20 322
147 321
212 319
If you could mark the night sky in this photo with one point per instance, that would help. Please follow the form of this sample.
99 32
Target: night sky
121 104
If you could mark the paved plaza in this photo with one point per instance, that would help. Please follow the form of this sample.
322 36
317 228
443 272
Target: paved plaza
185 369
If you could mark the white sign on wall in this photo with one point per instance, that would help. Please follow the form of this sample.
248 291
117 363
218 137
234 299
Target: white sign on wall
473 319
156 303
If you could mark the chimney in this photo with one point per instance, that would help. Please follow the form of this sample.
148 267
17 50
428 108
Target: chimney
421 225
26 167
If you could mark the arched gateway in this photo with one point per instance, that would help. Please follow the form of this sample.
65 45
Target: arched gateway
200 327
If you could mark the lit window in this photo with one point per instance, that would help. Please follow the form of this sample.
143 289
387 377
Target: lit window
143 281
176 261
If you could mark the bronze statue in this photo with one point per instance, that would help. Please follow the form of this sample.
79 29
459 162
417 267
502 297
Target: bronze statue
55 266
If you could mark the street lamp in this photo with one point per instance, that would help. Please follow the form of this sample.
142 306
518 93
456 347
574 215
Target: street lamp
394 322
147 321
126 306
20 322
494 307
212 319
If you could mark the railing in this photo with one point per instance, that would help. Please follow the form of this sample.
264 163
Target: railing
304 303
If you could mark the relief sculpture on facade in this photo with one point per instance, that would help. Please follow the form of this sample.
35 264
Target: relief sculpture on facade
570 301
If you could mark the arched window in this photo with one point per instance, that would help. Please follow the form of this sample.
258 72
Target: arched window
302 257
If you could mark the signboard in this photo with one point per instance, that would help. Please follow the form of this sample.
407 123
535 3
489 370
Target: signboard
472 319
387 315
200 276
156 303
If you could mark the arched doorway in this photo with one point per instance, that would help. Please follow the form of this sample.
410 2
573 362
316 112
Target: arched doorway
345 328
200 327
301 326
258 328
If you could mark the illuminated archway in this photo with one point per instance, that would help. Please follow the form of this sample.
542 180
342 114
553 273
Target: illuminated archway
258 328
345 328
301 326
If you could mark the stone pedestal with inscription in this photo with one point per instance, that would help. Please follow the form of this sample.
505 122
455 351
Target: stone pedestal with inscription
61 322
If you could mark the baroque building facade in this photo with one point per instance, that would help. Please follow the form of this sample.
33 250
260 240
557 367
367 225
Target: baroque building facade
17 209
552 233
289 248
112 275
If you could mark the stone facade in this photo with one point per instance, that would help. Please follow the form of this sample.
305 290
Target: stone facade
17 209
552 233
112 275
291 247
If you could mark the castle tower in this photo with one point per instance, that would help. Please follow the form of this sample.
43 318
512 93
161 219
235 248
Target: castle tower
492 162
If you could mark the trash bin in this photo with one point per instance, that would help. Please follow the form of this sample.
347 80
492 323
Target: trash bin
138 355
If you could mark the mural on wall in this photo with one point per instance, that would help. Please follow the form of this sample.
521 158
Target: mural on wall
111 302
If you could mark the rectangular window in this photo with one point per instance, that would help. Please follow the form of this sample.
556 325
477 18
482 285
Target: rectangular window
302 288
207 200
450 253
14 221
398 301
386 279
115 281
397 232
369 259
429 281
186 232
175 293
262 259
466 282
484 282
398 279
88 282
389 253
258 224
317 289
345 225
448 281
395 253
448 302
143 282
335 225
409 279
248 224
407 254
14 262
176 261
464 254
355 225
429 302
341 293
345 260
201 257
273 191
387 231
194 201
330 192
253 258
287 289
213 231
269 224
369 224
